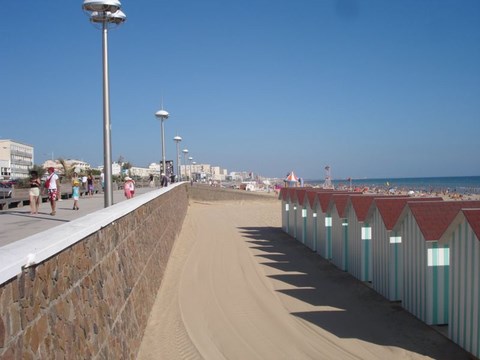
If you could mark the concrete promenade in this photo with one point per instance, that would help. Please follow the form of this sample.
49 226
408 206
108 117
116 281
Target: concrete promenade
18 223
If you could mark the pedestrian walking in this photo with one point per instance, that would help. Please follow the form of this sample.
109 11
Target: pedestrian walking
102 179
129 187
163 180
90 184
75 190
52 185
84 184
34 193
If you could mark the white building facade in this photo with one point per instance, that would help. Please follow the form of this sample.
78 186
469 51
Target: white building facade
16 159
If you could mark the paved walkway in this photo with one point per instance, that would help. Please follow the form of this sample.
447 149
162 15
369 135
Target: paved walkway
18 223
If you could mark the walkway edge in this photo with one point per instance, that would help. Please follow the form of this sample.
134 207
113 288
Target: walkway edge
36 248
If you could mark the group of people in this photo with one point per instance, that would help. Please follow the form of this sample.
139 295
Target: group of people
52 188
163 180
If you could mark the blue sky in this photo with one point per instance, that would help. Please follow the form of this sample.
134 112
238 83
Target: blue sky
372 88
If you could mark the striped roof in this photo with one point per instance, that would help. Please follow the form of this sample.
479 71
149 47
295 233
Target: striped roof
301 195
361 204
340 201
434 217
311 195
470 216
473 219
391 208
324 198
292 195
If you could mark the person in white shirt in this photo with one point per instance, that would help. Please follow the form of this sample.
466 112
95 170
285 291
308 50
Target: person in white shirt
84 184
52 186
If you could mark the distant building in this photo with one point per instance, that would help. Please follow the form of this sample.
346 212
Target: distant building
203 171
154 169
240 175
139 171
16 159
78 165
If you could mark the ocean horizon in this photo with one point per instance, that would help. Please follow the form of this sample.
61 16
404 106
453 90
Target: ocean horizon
459 184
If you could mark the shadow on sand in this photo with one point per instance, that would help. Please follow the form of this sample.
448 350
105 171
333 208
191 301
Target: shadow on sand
353 310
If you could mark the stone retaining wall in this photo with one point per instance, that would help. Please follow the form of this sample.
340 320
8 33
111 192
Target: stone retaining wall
92 300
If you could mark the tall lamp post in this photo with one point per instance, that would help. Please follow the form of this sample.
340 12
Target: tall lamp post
108 14
193 169
190 167
177 140
185 152
162 115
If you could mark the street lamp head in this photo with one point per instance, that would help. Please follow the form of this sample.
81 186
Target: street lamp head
185 151
101 5
177 139
190 158
117 18
162 114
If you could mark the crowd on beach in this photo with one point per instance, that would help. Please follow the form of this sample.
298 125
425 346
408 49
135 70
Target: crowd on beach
446 194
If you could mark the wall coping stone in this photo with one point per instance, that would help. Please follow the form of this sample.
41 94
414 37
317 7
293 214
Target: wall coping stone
36 248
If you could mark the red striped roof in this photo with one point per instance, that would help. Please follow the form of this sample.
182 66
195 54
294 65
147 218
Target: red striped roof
312 195
434 217
301 194
391 208
313 192
324 197
361 204
340 201
473 218
292 194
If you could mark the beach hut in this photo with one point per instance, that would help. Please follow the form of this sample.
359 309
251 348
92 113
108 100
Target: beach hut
387 245
339 225
425 261
292 213
316 211
284 197
312 223
463 239
301 214
324 222
359 241
291 180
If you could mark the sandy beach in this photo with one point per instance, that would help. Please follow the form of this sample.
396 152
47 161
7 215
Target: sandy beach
237 287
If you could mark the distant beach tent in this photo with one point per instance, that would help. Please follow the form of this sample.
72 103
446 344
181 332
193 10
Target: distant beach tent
291 180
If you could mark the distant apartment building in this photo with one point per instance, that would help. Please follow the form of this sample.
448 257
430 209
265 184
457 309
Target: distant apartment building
203 171
16 159
154 169
241 175
139 171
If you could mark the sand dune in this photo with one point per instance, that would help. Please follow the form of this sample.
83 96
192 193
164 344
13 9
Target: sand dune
237 287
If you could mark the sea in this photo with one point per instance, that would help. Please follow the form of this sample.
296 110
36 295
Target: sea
459 184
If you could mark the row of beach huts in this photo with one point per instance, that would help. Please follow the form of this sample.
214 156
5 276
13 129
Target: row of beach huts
422 252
